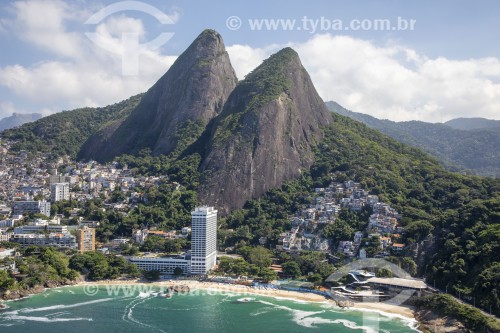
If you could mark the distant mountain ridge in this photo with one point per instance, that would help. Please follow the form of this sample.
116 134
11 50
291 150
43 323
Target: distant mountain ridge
474 150
18 119
473 123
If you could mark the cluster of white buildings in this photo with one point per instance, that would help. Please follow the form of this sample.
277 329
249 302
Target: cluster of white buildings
44 233
384 219
30 179
51 233
327 203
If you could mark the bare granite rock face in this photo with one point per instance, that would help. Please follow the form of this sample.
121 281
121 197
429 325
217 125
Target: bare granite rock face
433 323
186 98
265 134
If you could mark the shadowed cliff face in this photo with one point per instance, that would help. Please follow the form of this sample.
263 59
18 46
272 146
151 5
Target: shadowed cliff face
265 134
192 91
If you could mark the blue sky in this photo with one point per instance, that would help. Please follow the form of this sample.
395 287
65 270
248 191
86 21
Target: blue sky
447 66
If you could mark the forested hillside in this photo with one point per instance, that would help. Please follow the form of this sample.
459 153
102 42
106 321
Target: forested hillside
64 133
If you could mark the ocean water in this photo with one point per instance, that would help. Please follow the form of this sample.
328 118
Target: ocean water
105 310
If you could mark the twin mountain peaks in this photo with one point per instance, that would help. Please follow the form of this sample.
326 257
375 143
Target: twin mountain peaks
254 134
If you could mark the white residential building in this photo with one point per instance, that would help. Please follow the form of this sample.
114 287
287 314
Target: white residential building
29 229
59 191
52 239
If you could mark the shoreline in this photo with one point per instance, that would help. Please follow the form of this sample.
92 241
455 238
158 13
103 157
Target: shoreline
389 310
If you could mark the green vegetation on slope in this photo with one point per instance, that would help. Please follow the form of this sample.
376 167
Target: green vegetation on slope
264 84
463 212
39 267
65 132
98 266
270 79
255 262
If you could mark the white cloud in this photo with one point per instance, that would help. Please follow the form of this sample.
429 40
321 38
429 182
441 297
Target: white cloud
392 81
80 73
389 81
43 24
244 58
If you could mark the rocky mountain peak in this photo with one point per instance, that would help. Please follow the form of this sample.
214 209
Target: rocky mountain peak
179 105
265 133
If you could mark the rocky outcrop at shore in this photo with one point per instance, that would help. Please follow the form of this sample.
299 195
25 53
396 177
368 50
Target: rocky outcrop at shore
20 293
431 322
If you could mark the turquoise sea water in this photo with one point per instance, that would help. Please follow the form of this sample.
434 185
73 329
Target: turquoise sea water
71 309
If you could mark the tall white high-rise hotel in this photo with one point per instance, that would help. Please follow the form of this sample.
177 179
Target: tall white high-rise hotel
203 239
203 254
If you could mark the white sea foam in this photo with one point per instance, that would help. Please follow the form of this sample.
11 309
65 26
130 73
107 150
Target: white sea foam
128 313
44 319
298 315
310 319
386 316
10 314
144 294
353 325
58 314
262 311
53 317
64 306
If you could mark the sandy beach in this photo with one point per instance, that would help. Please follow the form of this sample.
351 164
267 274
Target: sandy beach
246 291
